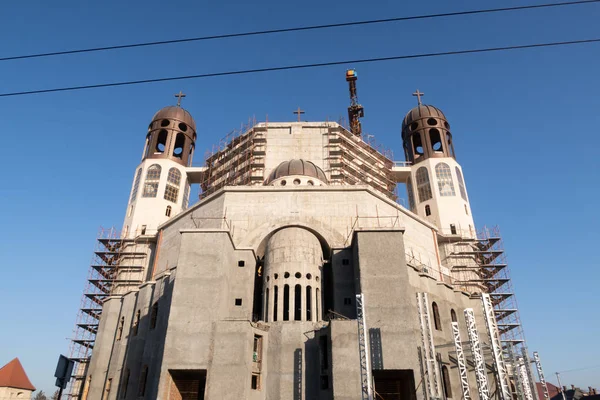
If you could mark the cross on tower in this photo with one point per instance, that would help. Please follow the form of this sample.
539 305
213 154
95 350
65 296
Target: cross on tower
299 112
418 94
179 96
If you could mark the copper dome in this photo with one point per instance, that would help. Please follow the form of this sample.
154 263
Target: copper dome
176 113
296 167
420 112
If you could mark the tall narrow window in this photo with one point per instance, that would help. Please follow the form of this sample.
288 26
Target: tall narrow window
286 303
151 182
120 328
136 185
172 188
318 304
168 211
447 386
461 184
179 143
267 305
444 180
107 389
142 383
154 315
450 146
298 303
411 194
125 384
423 185
436 317
453 315
308 303
427 210
417 145
257 348
275 303
136 323
436 140
453 229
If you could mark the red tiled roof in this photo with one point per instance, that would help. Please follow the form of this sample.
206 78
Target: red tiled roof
13 375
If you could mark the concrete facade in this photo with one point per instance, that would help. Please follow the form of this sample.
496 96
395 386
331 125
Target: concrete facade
7 393
251 292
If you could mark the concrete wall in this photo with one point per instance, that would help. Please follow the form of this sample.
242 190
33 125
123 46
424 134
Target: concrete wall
14 393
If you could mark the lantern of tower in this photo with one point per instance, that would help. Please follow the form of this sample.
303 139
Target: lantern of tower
160 188
436 186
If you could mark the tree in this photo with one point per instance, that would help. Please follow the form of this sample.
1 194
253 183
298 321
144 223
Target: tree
40 396
55 396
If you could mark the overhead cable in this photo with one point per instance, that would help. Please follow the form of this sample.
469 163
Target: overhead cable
301 66
295 29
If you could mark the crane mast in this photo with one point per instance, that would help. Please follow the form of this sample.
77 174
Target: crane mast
355 111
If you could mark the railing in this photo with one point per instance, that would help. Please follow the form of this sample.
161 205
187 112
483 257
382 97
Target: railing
402 163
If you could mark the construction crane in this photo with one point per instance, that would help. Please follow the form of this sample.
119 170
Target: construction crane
355 111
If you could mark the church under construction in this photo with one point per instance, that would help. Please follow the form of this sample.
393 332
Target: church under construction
298 274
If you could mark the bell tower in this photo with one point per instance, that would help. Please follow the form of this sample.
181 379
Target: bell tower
436 187
160 188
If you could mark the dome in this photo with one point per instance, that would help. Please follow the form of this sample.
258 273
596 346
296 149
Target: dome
420 112
297 167
176 113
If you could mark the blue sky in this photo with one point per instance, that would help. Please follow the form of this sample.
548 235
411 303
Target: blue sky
525 125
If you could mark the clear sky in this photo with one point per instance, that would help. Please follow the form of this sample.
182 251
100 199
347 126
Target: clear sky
525 126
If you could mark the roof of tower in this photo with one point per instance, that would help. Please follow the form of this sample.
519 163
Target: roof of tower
296 167
13 375
422 111
176 113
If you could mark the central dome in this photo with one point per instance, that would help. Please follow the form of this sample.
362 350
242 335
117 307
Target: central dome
176 113
297 167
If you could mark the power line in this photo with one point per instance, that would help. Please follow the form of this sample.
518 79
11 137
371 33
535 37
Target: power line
296 29
301 66
580 369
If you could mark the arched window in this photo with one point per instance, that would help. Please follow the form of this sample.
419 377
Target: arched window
417 145
447 386
423 186
125 384
120 328
436 317
298 303
152 179
275 302
143 379
436 140
154 315
444 179
179 143
286 303
267 305
168 211
411 194
136 323
461 184
136 185
453 315
172 188
318 304
161 141
427 210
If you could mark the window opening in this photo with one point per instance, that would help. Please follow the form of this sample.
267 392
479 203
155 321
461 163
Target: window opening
286 302
257 348
427 210
345 261
171 193
238 302
453 315
120 328
453 229
182 126
151 182
461 184
275 303
318 304
161 141
154 315
466 210
436 140
436 317
168 211
423 186
347 301
174 176
255 381
297 303
130 210
267 305
147 146
125 384
241 263
444 179
179 143
143 379
165 122
309 303
136 323
417 145
298 275
136 185
447 386
411 194
143 229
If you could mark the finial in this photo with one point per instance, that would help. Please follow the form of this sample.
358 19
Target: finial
179 96
299 112
418 94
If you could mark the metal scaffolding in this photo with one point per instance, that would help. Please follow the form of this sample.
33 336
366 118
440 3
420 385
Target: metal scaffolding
502 378
462 364
540 371
366 379
432 376
476 350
